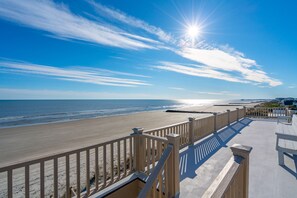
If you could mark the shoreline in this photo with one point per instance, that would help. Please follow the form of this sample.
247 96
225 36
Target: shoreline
96 117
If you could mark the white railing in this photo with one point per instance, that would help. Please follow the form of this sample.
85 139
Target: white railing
263 112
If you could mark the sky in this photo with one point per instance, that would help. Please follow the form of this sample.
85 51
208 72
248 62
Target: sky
169 49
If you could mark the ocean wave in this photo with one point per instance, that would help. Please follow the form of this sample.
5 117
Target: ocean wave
22 120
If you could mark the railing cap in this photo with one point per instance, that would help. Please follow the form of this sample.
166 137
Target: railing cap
191 119
215 113
241 150
228 110
173 138
138 130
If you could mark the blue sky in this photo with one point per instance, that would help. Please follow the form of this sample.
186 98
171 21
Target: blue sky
145 49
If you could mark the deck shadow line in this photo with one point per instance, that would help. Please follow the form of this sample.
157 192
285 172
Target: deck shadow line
195 155
291 171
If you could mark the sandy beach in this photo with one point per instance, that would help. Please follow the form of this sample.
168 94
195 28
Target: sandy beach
23 143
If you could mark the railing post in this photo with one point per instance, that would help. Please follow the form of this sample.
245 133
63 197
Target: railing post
191 130
237 111
244 152
139 149
287 111
215 121
173 165
244 111
228 116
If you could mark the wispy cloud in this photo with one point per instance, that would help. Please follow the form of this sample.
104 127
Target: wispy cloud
292 87
225 64
177 88
196 70
58 20
132 21
81 74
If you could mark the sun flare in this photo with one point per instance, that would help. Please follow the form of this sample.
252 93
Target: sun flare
193 31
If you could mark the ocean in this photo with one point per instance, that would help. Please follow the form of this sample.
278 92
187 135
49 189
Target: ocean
15 113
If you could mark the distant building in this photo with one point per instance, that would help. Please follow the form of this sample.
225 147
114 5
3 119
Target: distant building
287 101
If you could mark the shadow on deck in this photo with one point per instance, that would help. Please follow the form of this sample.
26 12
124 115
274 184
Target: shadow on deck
194 156
291 169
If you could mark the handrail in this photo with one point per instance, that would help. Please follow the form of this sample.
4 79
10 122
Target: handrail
35 160
153 176
157 138
233 180
222 182
165 127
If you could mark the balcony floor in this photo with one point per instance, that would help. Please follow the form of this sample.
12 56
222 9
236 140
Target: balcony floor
200 164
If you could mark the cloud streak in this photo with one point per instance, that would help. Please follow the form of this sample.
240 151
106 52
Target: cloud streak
84 74
62 23
132 21
224 64
196 70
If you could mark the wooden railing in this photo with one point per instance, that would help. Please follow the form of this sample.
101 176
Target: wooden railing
163 181
182 129
198 128
78 172
222 120
233 181
263 112
87 170
203 127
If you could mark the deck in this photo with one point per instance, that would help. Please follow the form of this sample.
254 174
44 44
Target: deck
201 163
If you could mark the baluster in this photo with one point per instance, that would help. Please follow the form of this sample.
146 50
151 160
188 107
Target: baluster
9 183
88 171
160 184
148 155
166 180
42 179
104 165
67 178
125 157
130 161
111 162
119 160
27 181
78 174
96 169
153 153
56 177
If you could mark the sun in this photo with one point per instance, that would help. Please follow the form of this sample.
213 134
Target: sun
193 31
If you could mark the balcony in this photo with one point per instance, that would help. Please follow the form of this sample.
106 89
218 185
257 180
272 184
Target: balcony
192 158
